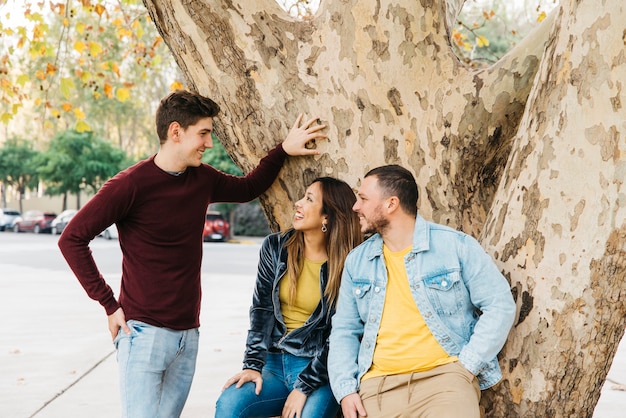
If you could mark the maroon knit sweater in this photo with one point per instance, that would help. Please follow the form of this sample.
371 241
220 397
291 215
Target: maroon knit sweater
160 219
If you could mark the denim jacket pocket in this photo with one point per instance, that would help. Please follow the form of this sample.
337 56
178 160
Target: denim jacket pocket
362 296
446 292
361 289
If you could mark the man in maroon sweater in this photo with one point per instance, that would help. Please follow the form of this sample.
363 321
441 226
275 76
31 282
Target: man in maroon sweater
159 207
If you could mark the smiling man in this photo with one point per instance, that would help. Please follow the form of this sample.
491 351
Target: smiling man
159 207
422 311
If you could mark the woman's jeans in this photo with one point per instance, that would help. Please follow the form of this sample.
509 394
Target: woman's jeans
279 375
156 369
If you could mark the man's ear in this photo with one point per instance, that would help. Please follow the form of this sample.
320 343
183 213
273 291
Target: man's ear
173 132
392 204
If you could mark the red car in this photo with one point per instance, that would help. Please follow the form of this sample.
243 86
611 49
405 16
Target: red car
35 221
216 227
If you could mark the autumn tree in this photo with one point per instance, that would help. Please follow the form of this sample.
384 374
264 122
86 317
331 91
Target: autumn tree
526 154
87 65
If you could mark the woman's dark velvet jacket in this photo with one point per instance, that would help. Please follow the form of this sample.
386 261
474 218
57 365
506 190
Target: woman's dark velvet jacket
267 328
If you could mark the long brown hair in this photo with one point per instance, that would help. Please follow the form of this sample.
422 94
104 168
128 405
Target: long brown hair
343 234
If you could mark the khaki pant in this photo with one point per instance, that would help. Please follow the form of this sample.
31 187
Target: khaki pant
446 391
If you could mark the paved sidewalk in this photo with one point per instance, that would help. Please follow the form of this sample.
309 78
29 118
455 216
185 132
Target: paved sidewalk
56 360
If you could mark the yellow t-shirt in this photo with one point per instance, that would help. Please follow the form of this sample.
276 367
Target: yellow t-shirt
308 293
404 343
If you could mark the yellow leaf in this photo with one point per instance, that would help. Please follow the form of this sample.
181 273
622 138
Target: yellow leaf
100 9
15 108
138 28
85 76
79 114
541 16
108 90
124 32
40 75
116 69
22 79
82 126
96 95
176 85
95 49
55 113
482 41
79 46
66 107
122 94
467 46
6 117
66 22
80 28
67 84
117 22
50 69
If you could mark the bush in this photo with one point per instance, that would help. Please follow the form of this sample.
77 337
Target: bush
249 220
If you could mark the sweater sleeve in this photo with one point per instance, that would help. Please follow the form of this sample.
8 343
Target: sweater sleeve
100 212
241 189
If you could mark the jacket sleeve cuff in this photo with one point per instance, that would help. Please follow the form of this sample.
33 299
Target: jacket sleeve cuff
303 387
253 365
472 362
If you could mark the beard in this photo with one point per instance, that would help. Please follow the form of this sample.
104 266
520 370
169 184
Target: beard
377 224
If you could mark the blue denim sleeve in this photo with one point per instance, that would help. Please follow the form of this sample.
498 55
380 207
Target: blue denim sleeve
489 292
345 337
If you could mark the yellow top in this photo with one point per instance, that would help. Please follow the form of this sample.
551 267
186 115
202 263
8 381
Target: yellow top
308 293
404 343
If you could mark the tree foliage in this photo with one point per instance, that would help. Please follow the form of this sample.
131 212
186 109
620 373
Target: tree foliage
78 161
18 169
84 65
487 29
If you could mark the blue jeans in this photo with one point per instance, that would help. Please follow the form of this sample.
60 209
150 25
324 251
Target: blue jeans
279 375
156 369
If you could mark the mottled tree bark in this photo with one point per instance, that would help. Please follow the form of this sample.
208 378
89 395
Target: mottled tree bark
526 155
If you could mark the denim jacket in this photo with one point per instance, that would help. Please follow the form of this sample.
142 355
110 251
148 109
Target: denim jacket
268 330
465 301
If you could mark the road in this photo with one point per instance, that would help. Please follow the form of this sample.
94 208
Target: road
41 251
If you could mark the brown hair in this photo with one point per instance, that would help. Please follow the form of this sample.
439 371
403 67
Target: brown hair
183 107
394 180
344 233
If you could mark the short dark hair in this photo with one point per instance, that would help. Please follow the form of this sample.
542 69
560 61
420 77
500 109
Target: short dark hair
395 180
184 107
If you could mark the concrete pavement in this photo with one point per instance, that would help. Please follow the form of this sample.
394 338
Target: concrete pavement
57 360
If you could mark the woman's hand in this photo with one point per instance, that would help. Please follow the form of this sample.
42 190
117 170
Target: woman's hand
294 404
244 376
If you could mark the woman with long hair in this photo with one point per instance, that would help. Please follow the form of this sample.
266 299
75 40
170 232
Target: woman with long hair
284 368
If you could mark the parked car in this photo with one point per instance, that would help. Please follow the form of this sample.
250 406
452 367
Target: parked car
60 222
216 227
35 221
110 232
7 217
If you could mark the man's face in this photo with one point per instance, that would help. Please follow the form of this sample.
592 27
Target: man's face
369 206
194 141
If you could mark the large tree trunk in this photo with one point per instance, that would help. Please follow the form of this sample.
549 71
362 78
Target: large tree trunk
524 155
